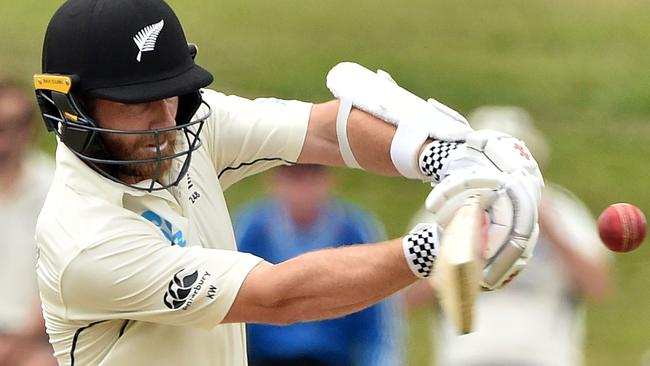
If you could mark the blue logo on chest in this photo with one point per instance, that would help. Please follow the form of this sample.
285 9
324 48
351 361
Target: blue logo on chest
176 238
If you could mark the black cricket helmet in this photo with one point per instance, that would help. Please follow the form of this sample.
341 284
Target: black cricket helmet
127 51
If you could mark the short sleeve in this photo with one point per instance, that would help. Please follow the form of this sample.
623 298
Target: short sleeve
245 137
140 277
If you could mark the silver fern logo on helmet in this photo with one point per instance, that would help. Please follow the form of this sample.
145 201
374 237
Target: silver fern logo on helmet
147 36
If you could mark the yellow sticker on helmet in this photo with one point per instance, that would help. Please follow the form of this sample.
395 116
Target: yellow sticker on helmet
71 117
59 83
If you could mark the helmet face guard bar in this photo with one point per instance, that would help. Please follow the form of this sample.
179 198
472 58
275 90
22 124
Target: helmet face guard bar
64 115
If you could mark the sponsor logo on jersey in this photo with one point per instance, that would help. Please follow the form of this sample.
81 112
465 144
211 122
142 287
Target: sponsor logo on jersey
174 236
179 289
183 289
147 37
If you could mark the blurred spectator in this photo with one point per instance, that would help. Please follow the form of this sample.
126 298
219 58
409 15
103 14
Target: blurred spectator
538 319
24 180
303 216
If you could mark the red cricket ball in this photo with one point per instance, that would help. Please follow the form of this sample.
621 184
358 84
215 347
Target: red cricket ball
622 227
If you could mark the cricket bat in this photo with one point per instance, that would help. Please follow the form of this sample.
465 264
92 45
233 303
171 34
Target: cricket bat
457 270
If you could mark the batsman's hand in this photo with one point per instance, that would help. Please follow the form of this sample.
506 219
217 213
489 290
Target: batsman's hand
503 171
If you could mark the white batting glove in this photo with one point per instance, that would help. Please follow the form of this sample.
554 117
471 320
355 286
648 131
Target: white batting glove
502 170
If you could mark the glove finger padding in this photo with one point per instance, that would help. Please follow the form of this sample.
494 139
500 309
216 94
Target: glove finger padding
512 256
512 212
505 153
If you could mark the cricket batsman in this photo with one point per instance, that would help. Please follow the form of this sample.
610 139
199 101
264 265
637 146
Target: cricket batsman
138 263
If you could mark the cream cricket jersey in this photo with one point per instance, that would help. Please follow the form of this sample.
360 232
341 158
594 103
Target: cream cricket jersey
134 278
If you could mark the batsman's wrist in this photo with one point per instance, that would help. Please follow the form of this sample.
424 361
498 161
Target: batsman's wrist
434 157
421 248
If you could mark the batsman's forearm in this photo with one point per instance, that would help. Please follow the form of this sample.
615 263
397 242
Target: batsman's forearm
322 284
370 139
333 282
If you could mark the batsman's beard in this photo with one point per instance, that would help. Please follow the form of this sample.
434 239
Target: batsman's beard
125 147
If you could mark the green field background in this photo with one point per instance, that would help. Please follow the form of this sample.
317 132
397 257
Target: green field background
581 67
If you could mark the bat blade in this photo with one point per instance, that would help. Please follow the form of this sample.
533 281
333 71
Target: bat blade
458 266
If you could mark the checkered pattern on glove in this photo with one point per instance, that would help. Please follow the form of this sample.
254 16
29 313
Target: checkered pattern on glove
421 248
434 156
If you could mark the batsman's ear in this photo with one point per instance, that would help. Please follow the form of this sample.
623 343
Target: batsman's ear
193 50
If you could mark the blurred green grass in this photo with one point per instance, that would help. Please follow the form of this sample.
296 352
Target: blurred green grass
581 67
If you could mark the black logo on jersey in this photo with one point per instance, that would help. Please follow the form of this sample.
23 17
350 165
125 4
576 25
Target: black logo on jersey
179 289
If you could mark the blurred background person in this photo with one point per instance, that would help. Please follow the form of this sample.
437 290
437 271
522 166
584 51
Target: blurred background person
538 319
301 215
25 177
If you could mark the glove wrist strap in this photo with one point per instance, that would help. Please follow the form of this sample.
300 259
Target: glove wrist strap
434 157
420 248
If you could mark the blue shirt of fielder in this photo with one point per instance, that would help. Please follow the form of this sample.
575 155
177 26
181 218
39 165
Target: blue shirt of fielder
369 337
